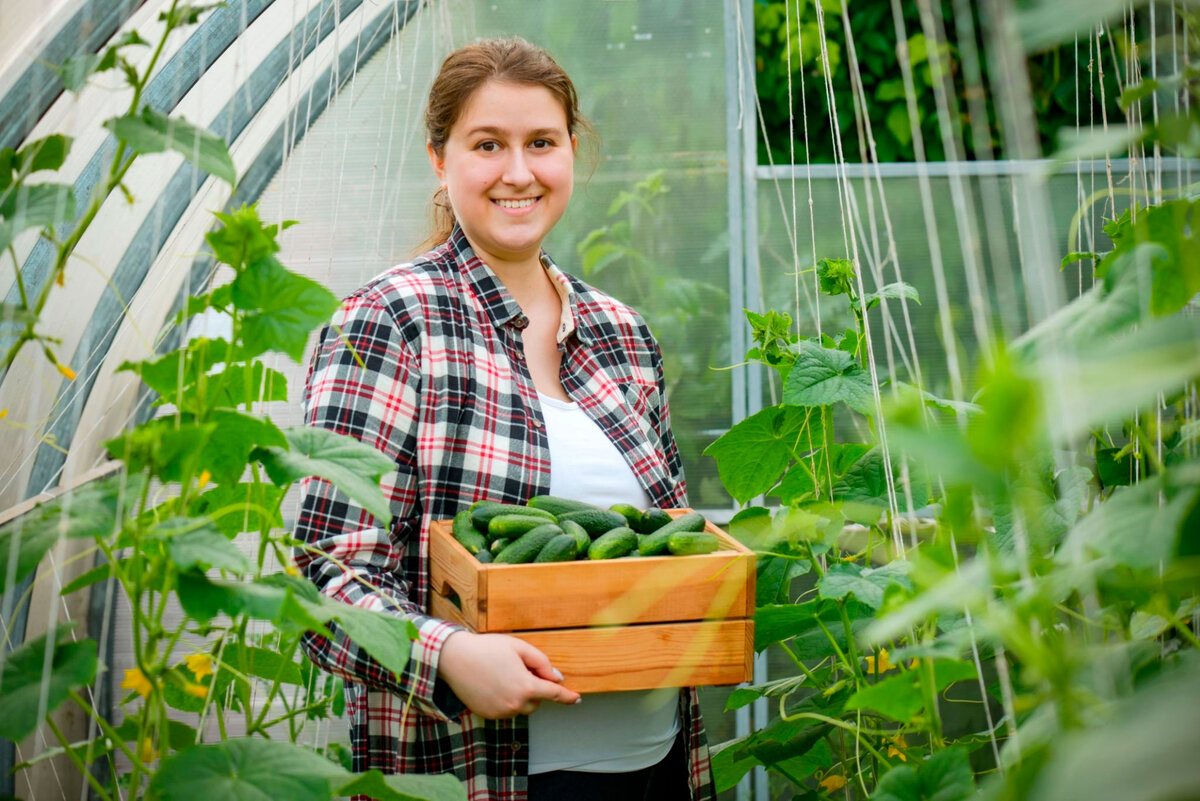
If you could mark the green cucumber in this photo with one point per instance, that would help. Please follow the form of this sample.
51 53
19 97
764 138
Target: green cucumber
687 543
596 521
482 512
509 527
485 556
526 547
632 514
559 506
613 544
465 532
652 520
497 546
583 540
653 544
560 549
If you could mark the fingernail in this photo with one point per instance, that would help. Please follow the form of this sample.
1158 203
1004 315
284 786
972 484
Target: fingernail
579 700
558 674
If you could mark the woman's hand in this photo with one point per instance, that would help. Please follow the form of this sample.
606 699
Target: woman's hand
497 676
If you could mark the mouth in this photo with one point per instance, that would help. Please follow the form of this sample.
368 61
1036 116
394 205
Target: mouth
516 204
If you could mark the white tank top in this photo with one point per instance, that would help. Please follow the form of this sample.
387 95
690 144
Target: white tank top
608 732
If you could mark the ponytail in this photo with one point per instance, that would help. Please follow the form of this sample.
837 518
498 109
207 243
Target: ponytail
441 219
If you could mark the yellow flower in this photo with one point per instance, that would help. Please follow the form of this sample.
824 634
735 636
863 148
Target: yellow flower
205 477
67 371
894 748
290 569
200 665
880 664
3 413
147 752
833 782
198 690
136 680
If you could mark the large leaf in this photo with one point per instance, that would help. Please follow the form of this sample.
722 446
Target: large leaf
353 467
900 697
37 206
234 437
753 454
824 376
1134 527
894 291
28 679
284 307
206 548
93 510
866 584
252 769
154 132
263 663
865 482
168 447
777 622
945 776
240 507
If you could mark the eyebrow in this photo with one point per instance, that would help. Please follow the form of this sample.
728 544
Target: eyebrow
494 131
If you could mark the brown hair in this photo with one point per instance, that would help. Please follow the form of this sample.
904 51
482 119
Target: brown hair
464 71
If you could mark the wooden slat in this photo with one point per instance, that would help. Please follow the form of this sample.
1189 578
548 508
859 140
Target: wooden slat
649 656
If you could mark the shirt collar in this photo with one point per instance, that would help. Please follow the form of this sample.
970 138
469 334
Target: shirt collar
499 304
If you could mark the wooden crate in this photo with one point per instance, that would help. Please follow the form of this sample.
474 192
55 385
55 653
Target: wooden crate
615 624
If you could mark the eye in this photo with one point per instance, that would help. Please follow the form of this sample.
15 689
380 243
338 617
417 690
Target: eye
488 146
541 144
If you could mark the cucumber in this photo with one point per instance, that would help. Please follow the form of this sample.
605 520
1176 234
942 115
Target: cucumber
559 506
526 547
485 556
652 520
657 542
690 521
509 527
482 512
560 549
632 514
613 544
465 532
583 540
653 544
686 543
596 521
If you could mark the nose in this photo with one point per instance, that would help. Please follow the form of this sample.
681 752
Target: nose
516 169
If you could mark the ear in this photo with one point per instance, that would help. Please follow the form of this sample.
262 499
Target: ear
574 144
437 162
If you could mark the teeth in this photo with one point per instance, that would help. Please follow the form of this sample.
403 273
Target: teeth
517 204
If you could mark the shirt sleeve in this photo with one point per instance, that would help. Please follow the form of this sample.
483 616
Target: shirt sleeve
364 381
660 420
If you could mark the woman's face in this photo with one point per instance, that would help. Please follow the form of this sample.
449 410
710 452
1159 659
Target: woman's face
509 167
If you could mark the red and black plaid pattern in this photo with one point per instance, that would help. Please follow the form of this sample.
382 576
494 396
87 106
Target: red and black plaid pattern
425 364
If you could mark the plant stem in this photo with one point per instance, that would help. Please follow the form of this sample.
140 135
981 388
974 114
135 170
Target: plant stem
104 725
841 724
75 760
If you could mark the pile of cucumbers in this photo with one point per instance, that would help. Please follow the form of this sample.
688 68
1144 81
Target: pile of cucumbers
550 529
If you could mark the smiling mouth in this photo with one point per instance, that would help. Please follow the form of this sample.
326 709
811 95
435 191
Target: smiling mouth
522 203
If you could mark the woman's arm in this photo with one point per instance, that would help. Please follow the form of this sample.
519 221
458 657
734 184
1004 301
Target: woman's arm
348 555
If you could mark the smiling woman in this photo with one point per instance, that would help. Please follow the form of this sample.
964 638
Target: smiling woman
446 365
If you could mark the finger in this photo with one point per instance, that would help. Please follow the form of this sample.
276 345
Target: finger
530 707
549 691
537 662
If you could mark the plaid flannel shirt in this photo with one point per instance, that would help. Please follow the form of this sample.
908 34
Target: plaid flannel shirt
444 391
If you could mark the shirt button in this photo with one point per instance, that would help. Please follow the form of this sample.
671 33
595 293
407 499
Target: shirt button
520 321
520 355
516 746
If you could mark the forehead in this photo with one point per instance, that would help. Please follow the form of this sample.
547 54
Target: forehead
511 107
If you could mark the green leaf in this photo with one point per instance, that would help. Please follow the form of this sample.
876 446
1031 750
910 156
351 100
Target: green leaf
37 206
775 575
1094 142
155 132
44 154
235 436
262 663
891 292
1075 256
1134 527
753 454
182 14
167 447
945 776
384 636
778 622
866 584
836 276
405 787
179 734
247 769
897 122
27 679
284 307
1041 24
205 548
242 239
255 506
90 511
823 377
353 467
900 697
1141 91
179 370
93 576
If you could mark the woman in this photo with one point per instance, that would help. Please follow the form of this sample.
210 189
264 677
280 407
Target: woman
486 373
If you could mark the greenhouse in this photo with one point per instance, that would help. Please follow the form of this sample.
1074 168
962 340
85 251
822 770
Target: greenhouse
302 501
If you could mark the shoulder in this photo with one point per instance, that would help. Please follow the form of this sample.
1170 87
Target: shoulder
601 316
407 295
